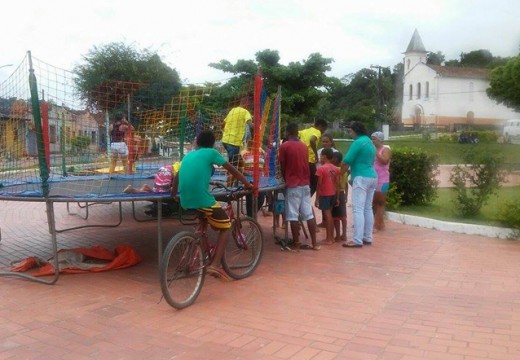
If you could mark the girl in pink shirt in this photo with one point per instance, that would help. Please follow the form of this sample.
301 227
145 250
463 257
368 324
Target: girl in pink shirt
326 191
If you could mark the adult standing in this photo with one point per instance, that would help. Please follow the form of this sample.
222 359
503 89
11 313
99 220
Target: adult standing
235 130
360 158
118 147
382 167
310 137
294 160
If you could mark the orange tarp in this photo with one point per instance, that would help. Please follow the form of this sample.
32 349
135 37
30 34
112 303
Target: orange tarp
82 260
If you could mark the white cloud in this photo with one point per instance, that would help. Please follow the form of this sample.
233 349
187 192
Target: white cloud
190 34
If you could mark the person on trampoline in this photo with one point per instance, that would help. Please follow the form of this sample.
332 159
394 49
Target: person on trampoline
118 147
163 181
193 189
234 132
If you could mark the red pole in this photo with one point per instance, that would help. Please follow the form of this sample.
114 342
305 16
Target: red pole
256 137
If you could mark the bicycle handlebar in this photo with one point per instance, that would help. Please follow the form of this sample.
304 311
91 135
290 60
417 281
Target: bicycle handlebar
231 193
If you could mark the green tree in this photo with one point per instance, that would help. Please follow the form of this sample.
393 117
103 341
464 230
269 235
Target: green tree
117 66
304 83
355 96
435 58
505 83
476 58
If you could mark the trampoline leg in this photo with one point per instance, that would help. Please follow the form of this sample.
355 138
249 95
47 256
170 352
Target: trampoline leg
159 232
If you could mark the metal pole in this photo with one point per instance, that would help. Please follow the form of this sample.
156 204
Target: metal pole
42 161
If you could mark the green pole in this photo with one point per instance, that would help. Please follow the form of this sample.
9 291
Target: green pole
42 161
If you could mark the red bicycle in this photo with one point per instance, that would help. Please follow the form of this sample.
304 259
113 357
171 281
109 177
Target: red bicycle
188 253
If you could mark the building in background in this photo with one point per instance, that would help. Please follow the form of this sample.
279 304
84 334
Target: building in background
446 96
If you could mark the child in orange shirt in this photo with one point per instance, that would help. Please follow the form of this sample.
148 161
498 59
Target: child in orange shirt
339 212
326 192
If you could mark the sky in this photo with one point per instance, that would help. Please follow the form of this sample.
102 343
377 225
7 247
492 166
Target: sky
188 35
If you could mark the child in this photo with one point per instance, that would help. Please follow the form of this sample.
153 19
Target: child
162 180
193 189
339 213
163 183
326 191
326 142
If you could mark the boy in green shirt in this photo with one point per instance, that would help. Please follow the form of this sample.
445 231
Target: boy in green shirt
193 188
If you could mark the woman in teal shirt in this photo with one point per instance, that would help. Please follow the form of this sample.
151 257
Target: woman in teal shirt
360 158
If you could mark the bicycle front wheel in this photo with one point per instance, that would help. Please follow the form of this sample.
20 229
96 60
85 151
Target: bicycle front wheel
182 270
244 249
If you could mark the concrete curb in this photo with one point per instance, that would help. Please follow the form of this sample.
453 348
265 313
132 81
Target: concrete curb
470 229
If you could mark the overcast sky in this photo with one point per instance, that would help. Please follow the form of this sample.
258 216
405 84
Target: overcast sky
190 34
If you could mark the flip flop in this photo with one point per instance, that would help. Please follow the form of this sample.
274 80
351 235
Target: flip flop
218 273
305 247
351 245
316 247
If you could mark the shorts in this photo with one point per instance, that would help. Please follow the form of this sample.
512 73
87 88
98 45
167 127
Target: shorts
217 217
327 202
298 204
340 211
382 187
118 149
233 154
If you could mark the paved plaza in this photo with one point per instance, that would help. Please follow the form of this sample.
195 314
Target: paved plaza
414 294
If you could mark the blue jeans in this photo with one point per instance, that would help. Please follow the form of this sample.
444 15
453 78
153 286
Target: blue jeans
363 189
233 154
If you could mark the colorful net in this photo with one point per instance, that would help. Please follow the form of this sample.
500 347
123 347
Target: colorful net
56 142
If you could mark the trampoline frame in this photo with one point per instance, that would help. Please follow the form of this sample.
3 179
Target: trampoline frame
88 202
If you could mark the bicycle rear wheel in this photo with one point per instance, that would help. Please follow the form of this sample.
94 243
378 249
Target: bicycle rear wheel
244 250
182 270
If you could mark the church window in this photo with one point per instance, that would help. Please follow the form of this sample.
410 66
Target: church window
408 64
418 90
410 92
427 90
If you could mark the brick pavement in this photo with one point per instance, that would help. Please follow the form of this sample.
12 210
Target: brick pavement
415 294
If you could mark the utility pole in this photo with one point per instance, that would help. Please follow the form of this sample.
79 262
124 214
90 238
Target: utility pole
379 116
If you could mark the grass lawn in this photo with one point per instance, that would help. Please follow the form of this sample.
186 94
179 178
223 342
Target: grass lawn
450 153
442 207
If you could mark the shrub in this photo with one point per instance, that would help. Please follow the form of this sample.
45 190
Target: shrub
476 180
413 176
509 214
79 143
393 198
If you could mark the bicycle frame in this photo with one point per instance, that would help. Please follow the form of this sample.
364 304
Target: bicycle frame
202 230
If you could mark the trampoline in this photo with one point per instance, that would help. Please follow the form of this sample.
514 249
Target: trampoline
59 172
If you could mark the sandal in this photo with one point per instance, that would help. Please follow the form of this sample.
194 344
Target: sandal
351 244
316 247
218 273
305 247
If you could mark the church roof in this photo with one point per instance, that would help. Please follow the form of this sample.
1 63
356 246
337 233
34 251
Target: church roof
416 44
461 72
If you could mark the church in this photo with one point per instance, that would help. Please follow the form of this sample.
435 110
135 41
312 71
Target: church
445 96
